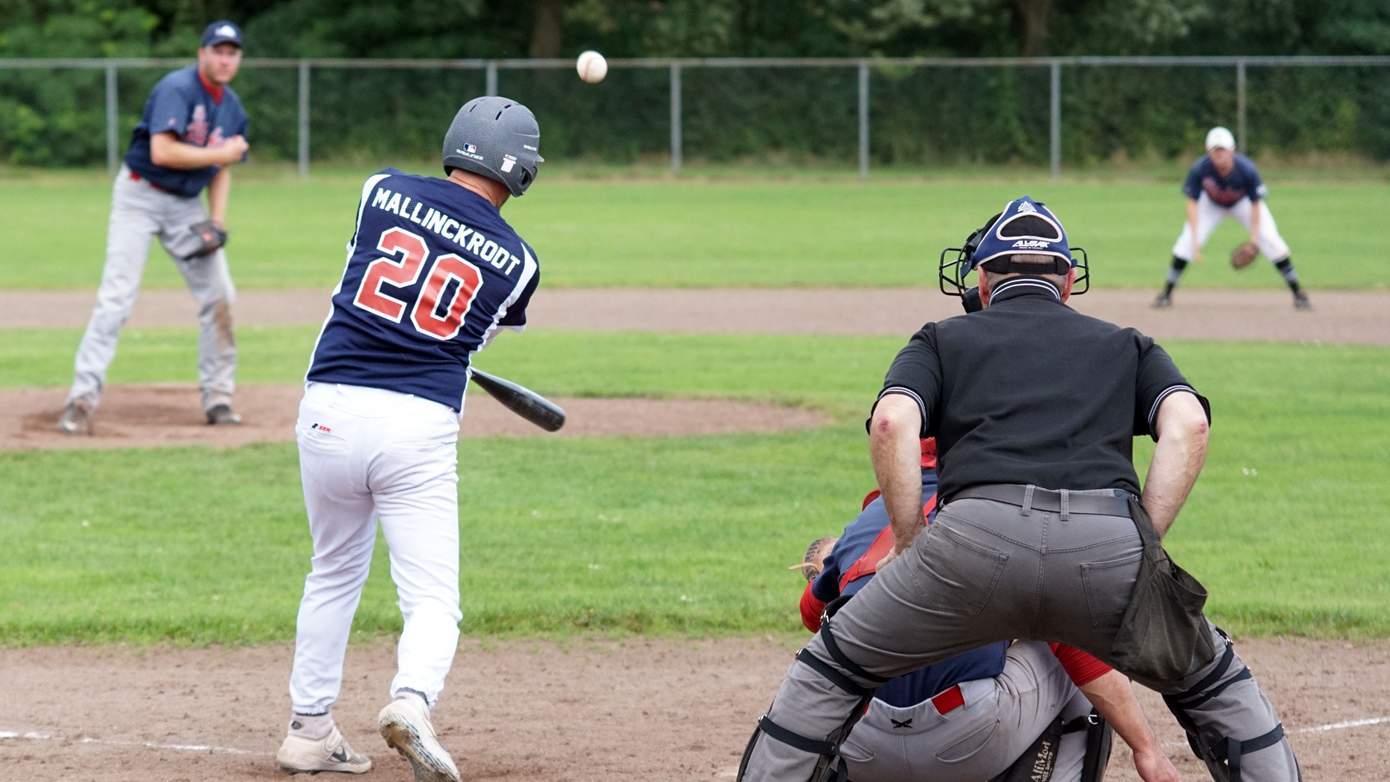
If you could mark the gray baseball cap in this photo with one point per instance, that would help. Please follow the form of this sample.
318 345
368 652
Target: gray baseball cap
497 138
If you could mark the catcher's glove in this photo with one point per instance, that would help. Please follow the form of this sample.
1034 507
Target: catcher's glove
1244 255
204 238
814 562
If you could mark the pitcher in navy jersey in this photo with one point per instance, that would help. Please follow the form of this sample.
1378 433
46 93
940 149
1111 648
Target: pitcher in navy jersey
192 130
433 271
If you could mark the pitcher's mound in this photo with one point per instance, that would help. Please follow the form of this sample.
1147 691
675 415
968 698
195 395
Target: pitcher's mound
170 415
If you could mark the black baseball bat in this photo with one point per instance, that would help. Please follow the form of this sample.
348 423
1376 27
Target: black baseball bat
523 401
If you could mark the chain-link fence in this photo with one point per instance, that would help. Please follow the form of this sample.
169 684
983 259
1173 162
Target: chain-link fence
863 114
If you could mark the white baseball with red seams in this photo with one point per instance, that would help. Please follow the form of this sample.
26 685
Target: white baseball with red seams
591 67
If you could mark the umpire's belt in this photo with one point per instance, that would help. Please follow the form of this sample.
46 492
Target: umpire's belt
1102 502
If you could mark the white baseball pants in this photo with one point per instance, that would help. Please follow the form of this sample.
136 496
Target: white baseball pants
1001 717
139 213
1210 214
368 455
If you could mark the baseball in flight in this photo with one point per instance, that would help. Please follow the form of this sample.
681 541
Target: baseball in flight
591 66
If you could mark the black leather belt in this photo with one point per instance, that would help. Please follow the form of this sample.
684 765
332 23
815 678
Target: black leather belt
1105 502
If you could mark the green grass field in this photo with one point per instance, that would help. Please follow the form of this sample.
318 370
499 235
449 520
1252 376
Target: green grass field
665 535
684 535
725 230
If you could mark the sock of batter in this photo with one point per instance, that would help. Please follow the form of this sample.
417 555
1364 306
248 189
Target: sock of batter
311 726
1173 274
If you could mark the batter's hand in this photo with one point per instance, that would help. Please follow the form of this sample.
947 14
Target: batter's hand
233 150
1155 767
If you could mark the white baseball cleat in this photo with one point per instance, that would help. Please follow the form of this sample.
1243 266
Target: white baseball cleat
76 419
299 755
405 724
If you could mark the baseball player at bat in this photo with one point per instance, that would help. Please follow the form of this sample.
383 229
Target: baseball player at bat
192 129
1221 184
433 271
1000 712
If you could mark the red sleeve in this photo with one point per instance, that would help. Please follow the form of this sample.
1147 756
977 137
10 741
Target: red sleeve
811 609
928 445
1080 666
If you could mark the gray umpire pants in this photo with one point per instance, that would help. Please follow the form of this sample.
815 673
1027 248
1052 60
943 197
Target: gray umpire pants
998 720
986 571
139 213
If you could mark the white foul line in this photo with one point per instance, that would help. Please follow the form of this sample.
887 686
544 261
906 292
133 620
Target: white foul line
1343 725
200 748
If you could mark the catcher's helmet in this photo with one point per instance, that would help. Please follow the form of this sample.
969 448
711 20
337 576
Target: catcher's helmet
497 138
1025 227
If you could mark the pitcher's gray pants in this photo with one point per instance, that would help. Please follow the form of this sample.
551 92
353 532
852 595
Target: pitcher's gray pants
999 719
986 571
139 213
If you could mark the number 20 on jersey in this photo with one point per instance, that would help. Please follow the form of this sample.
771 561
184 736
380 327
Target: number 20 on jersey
403 259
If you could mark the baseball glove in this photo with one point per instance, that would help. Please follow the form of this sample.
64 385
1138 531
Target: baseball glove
814 562
1244 255
207 238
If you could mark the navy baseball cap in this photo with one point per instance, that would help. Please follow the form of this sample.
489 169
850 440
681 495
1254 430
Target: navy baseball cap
221 31
1000 240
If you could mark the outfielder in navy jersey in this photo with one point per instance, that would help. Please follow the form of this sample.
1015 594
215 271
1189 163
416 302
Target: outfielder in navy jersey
192 130
433 271
1221 184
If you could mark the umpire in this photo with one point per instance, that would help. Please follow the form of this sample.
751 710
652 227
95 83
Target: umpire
193 127
1043 533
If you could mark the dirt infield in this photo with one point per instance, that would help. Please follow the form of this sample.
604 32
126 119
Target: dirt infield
587 711
169 415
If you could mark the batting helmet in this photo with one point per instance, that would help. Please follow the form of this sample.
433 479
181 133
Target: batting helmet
497 138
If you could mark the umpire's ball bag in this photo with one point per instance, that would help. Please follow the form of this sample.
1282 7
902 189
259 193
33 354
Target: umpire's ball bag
1163 635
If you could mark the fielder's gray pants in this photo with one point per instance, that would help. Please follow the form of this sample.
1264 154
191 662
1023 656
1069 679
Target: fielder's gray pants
139 213
1001 717
986 571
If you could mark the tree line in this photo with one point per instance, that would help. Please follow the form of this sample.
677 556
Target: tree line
920 117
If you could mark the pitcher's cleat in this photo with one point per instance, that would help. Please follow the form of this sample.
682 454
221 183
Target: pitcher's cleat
76 419
222 415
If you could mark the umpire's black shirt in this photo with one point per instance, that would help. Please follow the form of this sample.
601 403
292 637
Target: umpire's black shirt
1030 391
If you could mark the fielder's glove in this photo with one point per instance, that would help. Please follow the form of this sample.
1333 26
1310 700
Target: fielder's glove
204 238
1244 255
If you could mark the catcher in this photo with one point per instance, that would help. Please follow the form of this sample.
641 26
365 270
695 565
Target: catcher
192 130
1222 184
999 712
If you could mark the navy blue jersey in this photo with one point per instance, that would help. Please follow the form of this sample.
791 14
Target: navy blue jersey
909 689
182 104
1244 180
432 271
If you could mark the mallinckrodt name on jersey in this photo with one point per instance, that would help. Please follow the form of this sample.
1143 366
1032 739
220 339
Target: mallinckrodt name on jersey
468 239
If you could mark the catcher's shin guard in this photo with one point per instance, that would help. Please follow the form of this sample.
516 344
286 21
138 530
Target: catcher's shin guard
1039 761
1222 754
1099 738
830 767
